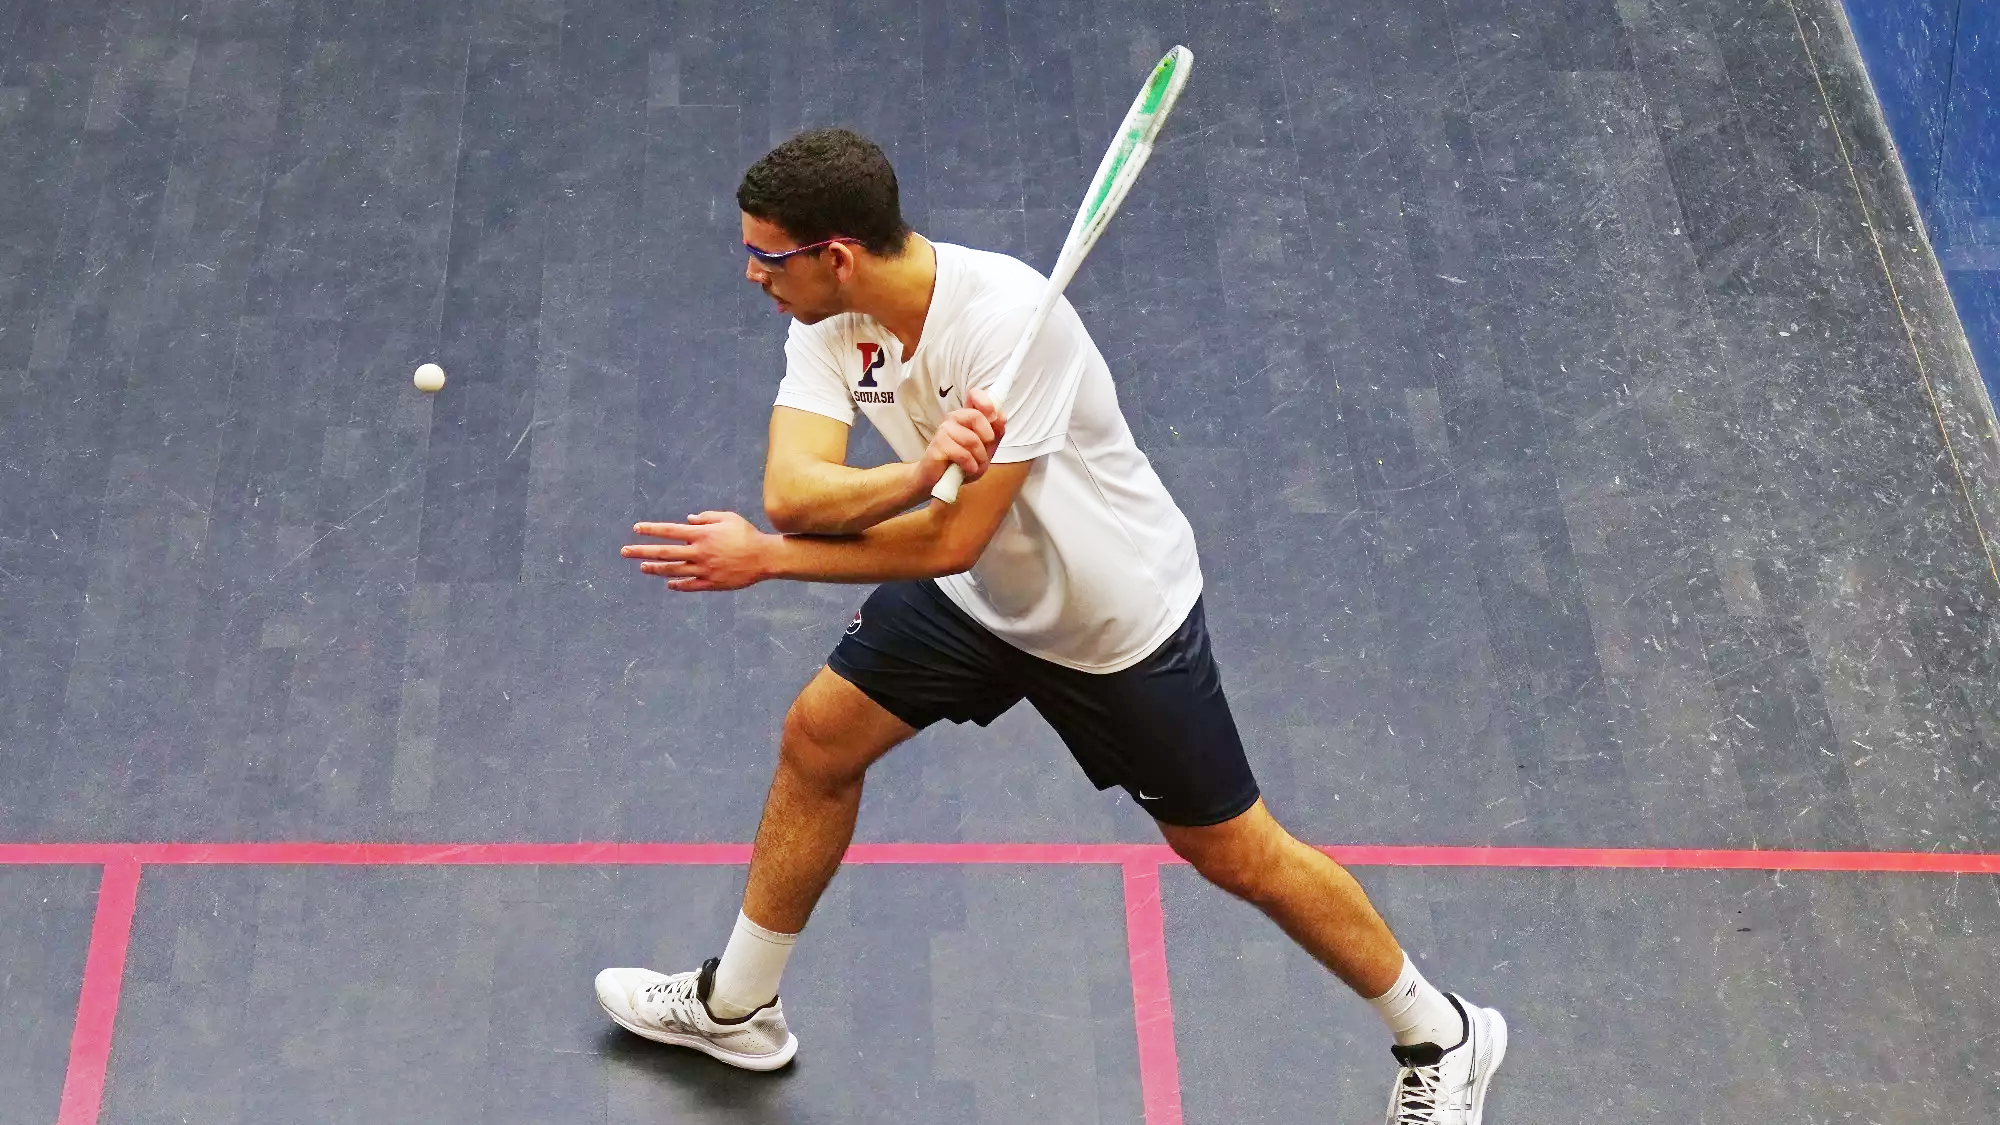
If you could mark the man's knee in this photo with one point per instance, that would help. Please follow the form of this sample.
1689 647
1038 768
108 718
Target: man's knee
811 749
1241 856
833 733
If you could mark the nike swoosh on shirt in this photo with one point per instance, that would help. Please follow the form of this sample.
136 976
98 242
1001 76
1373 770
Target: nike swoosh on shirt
945 391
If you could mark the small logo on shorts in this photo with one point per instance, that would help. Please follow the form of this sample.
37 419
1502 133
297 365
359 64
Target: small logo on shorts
1145 796
855 627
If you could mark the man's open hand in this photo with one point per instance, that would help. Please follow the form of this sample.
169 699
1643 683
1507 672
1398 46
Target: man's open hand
711 551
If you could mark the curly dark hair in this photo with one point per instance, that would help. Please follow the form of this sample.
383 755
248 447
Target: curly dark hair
827 183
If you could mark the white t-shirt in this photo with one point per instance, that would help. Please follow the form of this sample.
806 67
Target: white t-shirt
1094 565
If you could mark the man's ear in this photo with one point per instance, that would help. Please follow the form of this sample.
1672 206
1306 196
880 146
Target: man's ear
844 260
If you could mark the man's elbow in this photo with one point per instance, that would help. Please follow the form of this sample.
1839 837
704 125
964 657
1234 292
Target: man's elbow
785 516
958 553
787 512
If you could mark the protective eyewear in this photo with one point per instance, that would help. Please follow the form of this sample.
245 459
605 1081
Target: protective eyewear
775 259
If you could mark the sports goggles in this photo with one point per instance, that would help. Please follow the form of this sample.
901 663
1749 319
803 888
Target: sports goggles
775 259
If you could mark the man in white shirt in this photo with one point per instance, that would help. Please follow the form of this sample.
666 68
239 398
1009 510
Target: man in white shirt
1064 574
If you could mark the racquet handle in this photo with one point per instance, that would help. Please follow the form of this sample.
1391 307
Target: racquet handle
946 489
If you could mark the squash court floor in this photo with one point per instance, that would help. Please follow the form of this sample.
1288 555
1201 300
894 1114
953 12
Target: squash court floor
1594 494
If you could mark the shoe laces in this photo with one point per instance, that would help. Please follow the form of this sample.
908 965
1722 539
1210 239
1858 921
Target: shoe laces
1418 1095
1424 1094
677 996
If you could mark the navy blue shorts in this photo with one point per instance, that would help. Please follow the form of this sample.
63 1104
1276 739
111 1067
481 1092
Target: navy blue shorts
1160 729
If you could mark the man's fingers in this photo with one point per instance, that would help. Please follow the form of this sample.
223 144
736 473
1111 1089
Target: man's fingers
959 435
979 424
681 531
975 434
989 429
983 402
659 552
963 458
685 532
966 438
968 450
976 423
690 585
668 569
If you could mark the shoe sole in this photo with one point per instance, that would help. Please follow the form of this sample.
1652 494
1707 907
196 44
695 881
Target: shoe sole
773 1061
1495 1032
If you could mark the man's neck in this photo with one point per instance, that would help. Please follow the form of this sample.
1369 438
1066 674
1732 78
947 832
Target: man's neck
898 297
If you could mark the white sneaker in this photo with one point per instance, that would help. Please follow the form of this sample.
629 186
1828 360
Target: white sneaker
1448 1087
674 1009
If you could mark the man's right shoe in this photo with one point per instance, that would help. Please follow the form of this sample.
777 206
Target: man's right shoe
1435 1086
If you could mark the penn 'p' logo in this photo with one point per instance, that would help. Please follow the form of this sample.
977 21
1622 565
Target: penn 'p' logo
872 359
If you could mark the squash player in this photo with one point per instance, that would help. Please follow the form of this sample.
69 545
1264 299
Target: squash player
1064 574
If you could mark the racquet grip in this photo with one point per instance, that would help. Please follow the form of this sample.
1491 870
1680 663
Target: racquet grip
946 489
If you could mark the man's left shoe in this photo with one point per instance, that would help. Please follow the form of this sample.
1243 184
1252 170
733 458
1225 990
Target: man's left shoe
1437 1086
674 1009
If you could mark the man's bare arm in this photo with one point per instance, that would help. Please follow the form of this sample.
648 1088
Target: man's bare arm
930 542
810 489
723 551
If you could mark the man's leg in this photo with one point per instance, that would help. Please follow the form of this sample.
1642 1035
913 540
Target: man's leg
1305 892
832 734
1319 904
1163 731
1448 1049
729 1008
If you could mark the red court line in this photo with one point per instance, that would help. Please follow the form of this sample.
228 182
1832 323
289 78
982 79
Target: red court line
1361 855
1680 859
97 1001
1152 997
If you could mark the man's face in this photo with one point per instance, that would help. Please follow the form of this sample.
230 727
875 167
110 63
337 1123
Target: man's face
809 286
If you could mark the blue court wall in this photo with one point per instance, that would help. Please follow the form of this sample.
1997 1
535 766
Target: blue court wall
1935 65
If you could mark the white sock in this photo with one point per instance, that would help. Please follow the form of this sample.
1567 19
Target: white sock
752 962
1418 1013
